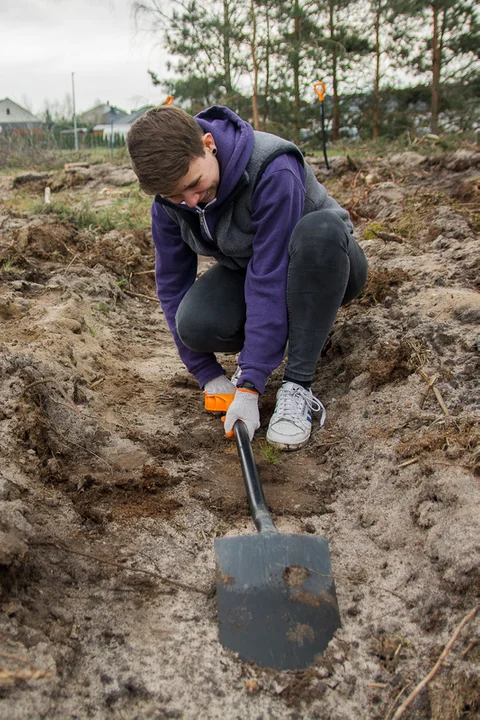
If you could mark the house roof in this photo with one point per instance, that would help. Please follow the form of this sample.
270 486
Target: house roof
123 120
137 113
101 114
127 118
13 114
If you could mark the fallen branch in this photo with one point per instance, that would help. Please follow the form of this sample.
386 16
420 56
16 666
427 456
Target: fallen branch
71 262
473 644
437 665
53 380
95 383
397 697
408 462
388 236
141 295
176 583
8 677
440 401
431 384
38 382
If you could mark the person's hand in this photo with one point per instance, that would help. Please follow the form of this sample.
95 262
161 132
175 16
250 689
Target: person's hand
218 394
244 407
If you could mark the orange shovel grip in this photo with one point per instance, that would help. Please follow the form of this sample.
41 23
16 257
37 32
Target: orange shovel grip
218 403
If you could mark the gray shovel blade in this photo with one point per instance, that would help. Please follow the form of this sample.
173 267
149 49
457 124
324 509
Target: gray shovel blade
276 598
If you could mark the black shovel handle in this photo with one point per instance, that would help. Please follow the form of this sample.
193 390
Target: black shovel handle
324 139
256 499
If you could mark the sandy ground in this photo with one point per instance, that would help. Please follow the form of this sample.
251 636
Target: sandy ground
114 481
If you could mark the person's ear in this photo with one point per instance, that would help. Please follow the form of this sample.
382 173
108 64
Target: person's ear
209 143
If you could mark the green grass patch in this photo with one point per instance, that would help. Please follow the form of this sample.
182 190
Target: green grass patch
82 215
101 307
130 210
372 228
418 213
270 453
9 267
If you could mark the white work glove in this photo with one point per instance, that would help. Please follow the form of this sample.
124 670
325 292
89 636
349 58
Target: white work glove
220 385
218 394
244 407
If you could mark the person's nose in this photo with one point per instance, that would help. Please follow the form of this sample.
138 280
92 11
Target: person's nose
191 199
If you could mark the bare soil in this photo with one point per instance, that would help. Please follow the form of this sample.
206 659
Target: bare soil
114 481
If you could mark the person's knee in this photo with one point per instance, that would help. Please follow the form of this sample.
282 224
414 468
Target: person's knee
319 232
189 329
202 329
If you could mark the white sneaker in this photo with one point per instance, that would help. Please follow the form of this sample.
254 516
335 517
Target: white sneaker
291 423
236 375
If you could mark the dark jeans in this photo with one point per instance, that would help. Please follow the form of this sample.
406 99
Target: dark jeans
327 269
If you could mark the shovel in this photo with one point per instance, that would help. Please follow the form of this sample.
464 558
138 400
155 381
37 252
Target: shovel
276 595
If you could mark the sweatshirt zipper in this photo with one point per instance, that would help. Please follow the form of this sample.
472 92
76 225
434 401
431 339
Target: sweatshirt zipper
203 223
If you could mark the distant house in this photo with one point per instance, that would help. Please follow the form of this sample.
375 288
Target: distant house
15 119
100 115
119 123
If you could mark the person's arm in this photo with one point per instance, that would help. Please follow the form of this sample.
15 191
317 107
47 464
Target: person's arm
277 206
175 273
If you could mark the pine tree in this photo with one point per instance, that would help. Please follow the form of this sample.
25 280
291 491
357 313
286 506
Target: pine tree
441 38
198 36
340 47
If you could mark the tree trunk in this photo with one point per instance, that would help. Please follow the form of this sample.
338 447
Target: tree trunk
296 71
336 109
376 85
436 67
253 51
227 65
267 67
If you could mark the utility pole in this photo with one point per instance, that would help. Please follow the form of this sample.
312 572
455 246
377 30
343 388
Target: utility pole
74 112
112 141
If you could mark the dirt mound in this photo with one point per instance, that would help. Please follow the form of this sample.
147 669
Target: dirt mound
114 481
77 175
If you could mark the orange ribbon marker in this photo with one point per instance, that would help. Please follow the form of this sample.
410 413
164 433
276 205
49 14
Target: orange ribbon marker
319 88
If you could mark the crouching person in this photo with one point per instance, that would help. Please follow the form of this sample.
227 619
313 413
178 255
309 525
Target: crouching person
286 260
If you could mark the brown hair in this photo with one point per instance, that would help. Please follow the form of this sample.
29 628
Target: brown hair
162 143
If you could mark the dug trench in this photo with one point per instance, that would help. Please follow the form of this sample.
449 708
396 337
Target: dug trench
115 482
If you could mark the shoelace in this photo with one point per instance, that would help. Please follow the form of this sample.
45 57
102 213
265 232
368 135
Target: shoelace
291 404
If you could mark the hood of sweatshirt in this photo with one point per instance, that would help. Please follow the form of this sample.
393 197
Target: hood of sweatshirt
234 141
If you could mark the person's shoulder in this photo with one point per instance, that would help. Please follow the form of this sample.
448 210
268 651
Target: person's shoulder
287 162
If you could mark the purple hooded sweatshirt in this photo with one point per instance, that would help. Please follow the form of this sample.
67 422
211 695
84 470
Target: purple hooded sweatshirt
277 206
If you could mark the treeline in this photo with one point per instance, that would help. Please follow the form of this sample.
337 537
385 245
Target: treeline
378 59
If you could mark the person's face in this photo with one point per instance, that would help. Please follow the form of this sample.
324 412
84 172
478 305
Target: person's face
200 184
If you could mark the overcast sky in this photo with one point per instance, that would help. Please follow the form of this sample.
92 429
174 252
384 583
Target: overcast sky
43 41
